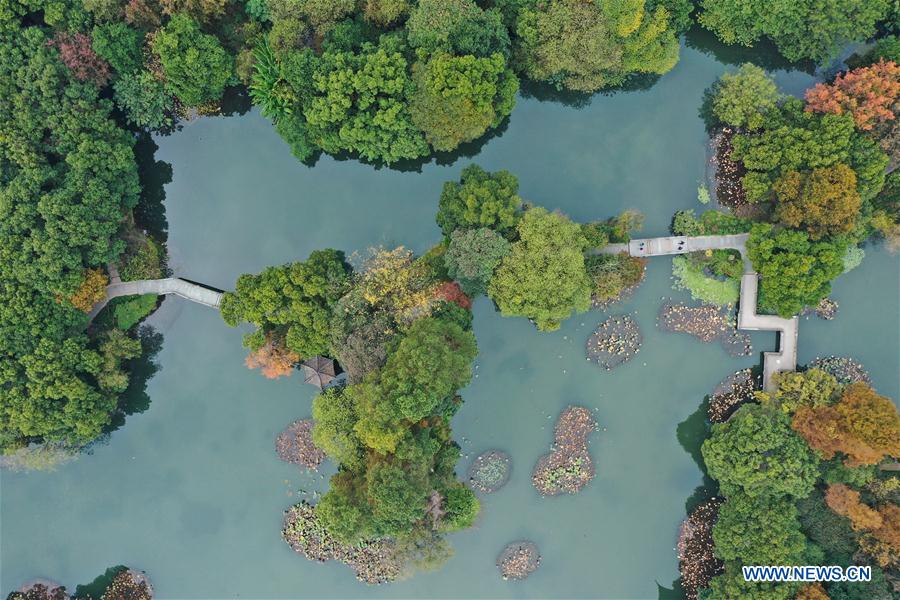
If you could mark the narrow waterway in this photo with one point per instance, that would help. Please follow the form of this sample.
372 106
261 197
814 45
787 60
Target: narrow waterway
191 491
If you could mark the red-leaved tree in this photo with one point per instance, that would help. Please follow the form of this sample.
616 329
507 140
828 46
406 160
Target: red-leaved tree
868 94
77 54
451 292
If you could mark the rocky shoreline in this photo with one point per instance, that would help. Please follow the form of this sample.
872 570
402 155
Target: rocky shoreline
733 391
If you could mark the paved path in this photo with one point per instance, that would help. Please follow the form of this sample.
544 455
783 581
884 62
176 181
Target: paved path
786 357
189 290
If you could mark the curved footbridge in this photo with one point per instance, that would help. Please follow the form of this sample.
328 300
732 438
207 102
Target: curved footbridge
195 292
786 357
783 360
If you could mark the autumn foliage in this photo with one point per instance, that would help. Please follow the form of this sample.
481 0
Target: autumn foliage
273 358
845 501
863 425
812 591
450 291
867 93
91 291
823 202
78 55
883 544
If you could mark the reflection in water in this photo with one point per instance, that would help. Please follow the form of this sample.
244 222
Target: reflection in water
135 399
150 213
763 53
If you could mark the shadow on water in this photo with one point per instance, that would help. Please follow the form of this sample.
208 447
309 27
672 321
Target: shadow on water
691 434
96 588
135 399
150 213
763 53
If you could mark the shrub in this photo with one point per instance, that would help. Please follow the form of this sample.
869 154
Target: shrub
131 311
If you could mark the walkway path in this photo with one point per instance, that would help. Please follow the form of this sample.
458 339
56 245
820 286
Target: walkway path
748 319
783 360
189 290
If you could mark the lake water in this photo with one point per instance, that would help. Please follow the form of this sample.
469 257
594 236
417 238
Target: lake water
191 490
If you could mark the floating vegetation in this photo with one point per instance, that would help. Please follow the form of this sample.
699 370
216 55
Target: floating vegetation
696 559
845 370
490 471
295 445
708 323
732 392
615 341
129 585
518 560
373 561
40 589
826 309
568 467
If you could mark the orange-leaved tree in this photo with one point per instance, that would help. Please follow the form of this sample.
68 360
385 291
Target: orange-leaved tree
867 93
883 544
845 501
273 358
91 290
863 425
823 202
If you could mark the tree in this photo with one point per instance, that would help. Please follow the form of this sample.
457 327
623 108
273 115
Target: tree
144 99
792 139
393 282
795 389
863 425
119 45
731 584
458 98
334 413
357 103
845 502
544 276
457 26
759 531
195 64
76 52
756 452
273 358
472 256
812 591
868 94
432 361
397 497
883 543
803 29
480 199
795 271
293 301
461 506
587 46
742 99
824 202
91 291
828 530
385 12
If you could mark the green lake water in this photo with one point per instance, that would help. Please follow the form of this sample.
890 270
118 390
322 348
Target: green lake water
191 491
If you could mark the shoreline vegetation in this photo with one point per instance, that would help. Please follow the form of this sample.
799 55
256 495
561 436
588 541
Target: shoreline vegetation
118 583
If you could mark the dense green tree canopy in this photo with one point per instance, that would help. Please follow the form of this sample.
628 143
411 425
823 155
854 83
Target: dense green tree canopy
801 29
458 98
742 99
544 276
195 64
472 256
292 301
587 46
480 199
759 531
756 452
793 139
795 271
